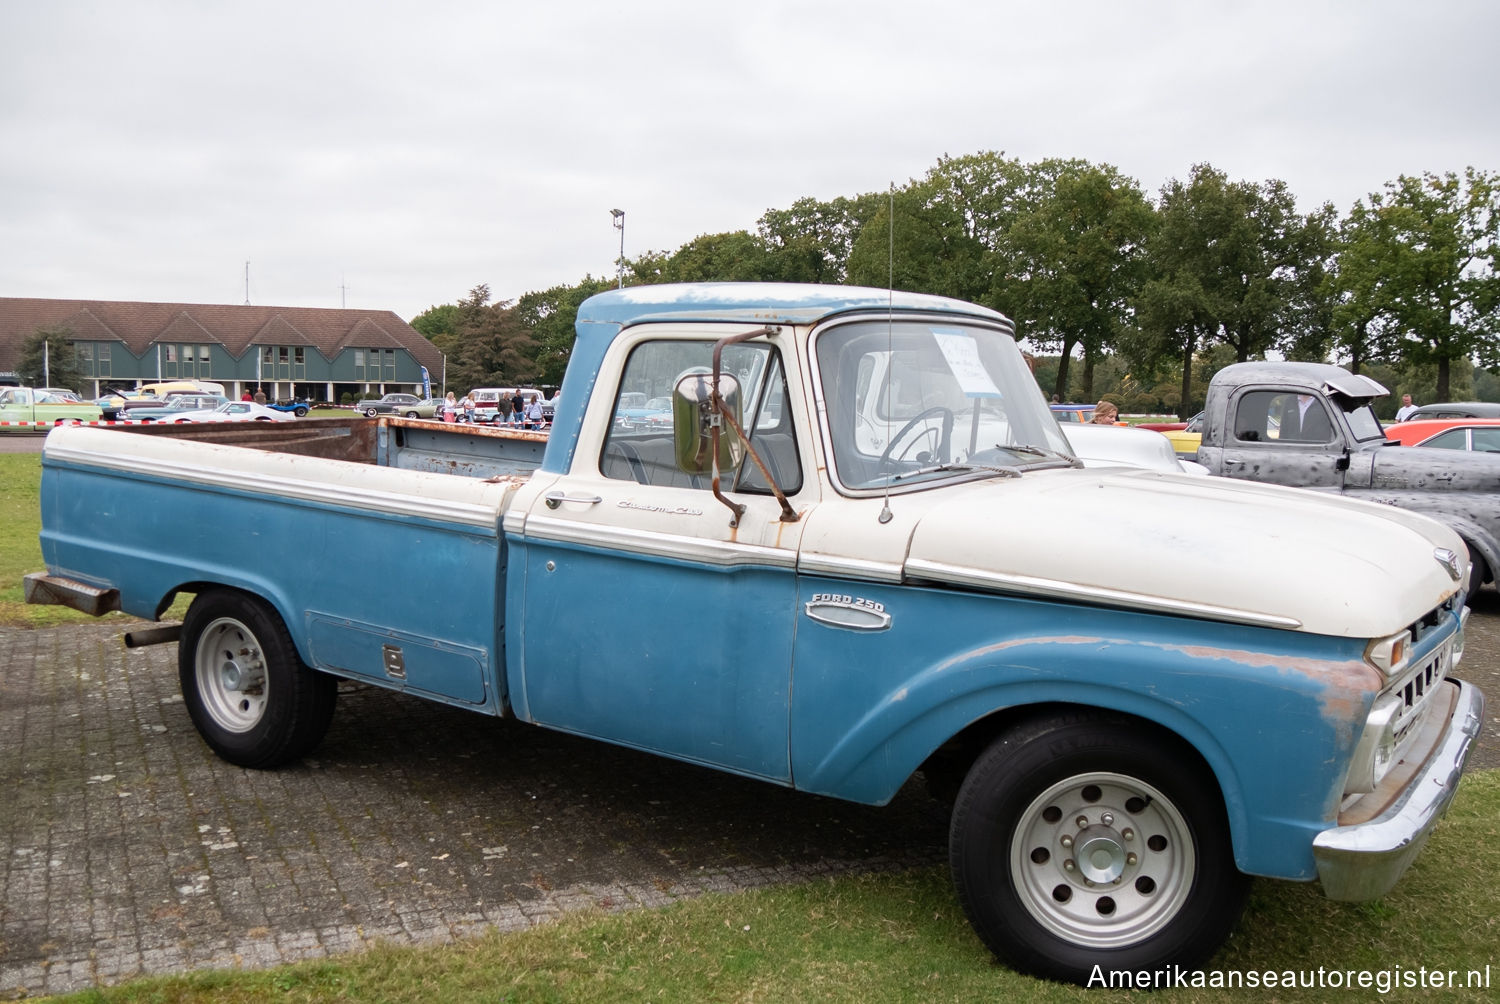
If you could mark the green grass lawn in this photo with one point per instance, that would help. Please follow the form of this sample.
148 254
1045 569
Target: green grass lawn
20 550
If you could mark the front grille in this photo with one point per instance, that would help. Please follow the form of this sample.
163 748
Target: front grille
1415 687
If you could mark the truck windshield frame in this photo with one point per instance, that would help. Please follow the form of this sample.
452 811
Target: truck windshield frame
910 402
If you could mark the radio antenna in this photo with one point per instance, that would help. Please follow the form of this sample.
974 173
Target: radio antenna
890 338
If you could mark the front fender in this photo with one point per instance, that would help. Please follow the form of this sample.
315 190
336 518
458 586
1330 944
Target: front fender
1274 714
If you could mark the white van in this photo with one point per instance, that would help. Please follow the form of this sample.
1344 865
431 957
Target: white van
487 401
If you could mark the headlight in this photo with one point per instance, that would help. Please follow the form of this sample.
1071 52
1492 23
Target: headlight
1376 752
1389 654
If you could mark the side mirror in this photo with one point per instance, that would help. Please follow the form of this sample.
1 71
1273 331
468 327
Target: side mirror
694 419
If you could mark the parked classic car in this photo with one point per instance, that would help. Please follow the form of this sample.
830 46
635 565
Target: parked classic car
1121 446
295 406
1482 434
390 404
1070 414
1457 409
1185 441
237 411
174 407
27 407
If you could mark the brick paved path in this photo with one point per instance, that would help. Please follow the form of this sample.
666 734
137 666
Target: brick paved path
126 847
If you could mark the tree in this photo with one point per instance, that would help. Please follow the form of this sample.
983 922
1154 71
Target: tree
437 321
812 241
737 256
550 316
1226 268
488 344
1176 308
1424 259
943 234
48 359
1077 256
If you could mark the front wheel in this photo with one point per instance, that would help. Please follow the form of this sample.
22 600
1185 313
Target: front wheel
371 412
246 690
1086 841
300 411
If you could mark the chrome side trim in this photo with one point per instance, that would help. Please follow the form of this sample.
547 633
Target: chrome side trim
849 568
342 496
933 571
722 554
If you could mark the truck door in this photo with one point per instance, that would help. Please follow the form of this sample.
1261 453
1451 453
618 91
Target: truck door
1283 437
649 619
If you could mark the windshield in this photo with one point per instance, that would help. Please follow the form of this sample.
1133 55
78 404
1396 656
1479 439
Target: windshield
912 402
1362 421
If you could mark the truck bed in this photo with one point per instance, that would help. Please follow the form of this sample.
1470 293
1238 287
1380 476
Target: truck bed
474 451
378 541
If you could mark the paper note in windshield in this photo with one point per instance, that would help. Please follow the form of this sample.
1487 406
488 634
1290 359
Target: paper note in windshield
962 354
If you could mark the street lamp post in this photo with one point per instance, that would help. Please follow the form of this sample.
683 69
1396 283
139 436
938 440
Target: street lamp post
619 215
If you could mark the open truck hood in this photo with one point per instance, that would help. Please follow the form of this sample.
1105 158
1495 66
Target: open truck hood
1228 550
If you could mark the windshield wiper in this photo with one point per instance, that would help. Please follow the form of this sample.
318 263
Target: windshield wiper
1038 451
1010 472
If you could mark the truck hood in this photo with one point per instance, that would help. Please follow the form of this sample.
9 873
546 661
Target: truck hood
1422 467
1207 547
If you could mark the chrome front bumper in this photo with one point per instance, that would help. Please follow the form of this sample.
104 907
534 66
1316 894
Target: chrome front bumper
1364 860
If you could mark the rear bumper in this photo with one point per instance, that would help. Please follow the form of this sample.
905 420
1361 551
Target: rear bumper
1363 861
92 600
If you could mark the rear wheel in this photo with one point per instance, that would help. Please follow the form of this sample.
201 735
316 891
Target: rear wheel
1086 841
247 692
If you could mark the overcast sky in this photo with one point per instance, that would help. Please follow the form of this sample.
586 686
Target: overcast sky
394 155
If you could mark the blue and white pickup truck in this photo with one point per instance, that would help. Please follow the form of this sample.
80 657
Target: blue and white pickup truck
861 549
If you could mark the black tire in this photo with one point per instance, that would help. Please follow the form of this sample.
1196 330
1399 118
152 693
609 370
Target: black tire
1160 886
247 692
300 411
412 414
371 412
1478 572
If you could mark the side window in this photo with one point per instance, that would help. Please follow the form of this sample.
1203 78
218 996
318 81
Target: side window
1267 416
640 446
1487 440
1453 439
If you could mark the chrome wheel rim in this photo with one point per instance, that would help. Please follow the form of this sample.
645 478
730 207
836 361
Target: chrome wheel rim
231 673
1102 860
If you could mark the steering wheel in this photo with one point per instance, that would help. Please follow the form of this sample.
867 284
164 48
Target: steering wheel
944 434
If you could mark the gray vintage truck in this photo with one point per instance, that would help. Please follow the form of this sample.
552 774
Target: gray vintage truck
1310 425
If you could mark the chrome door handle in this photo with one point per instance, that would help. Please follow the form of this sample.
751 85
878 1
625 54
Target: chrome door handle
555 499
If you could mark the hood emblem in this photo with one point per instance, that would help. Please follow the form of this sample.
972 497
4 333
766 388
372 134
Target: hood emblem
1449 560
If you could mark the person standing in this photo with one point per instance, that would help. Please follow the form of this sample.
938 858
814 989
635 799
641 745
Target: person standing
1406 410
517 408
534 414
1105 413
468 406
